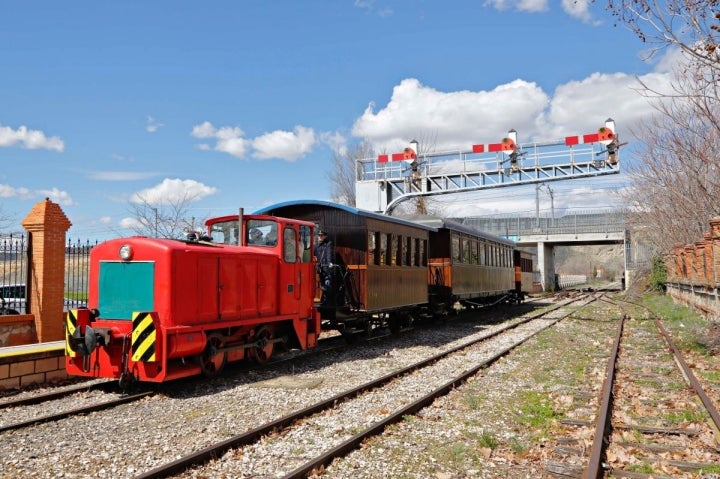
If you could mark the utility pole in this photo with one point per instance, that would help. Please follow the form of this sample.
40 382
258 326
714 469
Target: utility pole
537 204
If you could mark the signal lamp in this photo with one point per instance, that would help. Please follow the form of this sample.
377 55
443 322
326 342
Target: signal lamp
612 154
513 161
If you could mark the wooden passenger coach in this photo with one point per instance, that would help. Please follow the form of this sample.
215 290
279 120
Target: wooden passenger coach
467 265
385 256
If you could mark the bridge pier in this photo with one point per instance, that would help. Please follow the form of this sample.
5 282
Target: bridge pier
546 265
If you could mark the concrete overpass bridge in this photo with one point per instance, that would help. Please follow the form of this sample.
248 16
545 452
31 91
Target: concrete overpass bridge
572 229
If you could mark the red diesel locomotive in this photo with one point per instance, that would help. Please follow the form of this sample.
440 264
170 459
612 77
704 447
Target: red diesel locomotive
162 309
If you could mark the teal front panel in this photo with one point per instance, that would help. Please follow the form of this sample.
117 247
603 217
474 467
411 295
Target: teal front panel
125 288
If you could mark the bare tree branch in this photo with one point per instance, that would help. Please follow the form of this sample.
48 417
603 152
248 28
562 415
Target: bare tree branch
342 175
677 177
167 219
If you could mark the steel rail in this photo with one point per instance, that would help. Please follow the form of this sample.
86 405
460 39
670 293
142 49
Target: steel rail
216 450
40 398
74 412
689 376
377 428
593 470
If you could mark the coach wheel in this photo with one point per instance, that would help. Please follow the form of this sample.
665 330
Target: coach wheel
212 361
264 349
395 323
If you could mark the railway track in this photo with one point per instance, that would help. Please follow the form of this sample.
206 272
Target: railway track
96 406
322 432
177 414
31 397
653 419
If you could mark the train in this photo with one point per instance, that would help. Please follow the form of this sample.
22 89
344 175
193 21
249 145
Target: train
249 285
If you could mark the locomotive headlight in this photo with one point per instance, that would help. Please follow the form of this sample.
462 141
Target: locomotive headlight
126 252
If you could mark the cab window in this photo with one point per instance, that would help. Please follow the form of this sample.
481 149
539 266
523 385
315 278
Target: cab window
289 245
305 245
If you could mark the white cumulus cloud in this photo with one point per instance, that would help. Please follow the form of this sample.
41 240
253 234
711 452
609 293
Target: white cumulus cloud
450 119
7 191
286 145
152 125
173 191
60 197
30 139
130 223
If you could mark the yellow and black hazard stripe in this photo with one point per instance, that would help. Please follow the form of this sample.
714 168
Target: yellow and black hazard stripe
144 337
71 324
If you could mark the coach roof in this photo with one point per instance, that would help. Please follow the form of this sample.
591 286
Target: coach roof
452 224
272 210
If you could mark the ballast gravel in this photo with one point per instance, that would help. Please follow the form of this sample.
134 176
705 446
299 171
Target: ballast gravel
131 439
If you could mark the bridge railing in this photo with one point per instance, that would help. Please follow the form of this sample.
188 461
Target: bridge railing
581 222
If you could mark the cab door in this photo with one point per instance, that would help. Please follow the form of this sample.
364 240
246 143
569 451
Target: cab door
290 287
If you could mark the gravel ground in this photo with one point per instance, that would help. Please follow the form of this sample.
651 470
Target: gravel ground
136 437
485 428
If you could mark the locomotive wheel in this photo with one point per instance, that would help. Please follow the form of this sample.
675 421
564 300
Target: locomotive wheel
261 353
213 361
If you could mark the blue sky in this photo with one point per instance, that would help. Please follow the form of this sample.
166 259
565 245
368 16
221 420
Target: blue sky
242 103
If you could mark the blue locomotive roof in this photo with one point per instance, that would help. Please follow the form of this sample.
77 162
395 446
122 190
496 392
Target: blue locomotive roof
369 214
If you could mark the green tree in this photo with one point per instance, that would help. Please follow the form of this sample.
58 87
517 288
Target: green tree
658 277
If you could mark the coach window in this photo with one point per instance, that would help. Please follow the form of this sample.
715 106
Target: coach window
393 249
423 252
408 251
467 251
473 252
383 249
304 246
289 245
481 253
371 245
455 247
400 250
416 252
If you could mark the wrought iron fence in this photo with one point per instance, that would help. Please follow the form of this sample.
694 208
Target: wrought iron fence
13 270
14 263
77 267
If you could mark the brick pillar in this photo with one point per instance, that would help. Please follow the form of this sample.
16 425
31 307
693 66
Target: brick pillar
678 264
715 234
699 262
47 224
688 257
708 252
